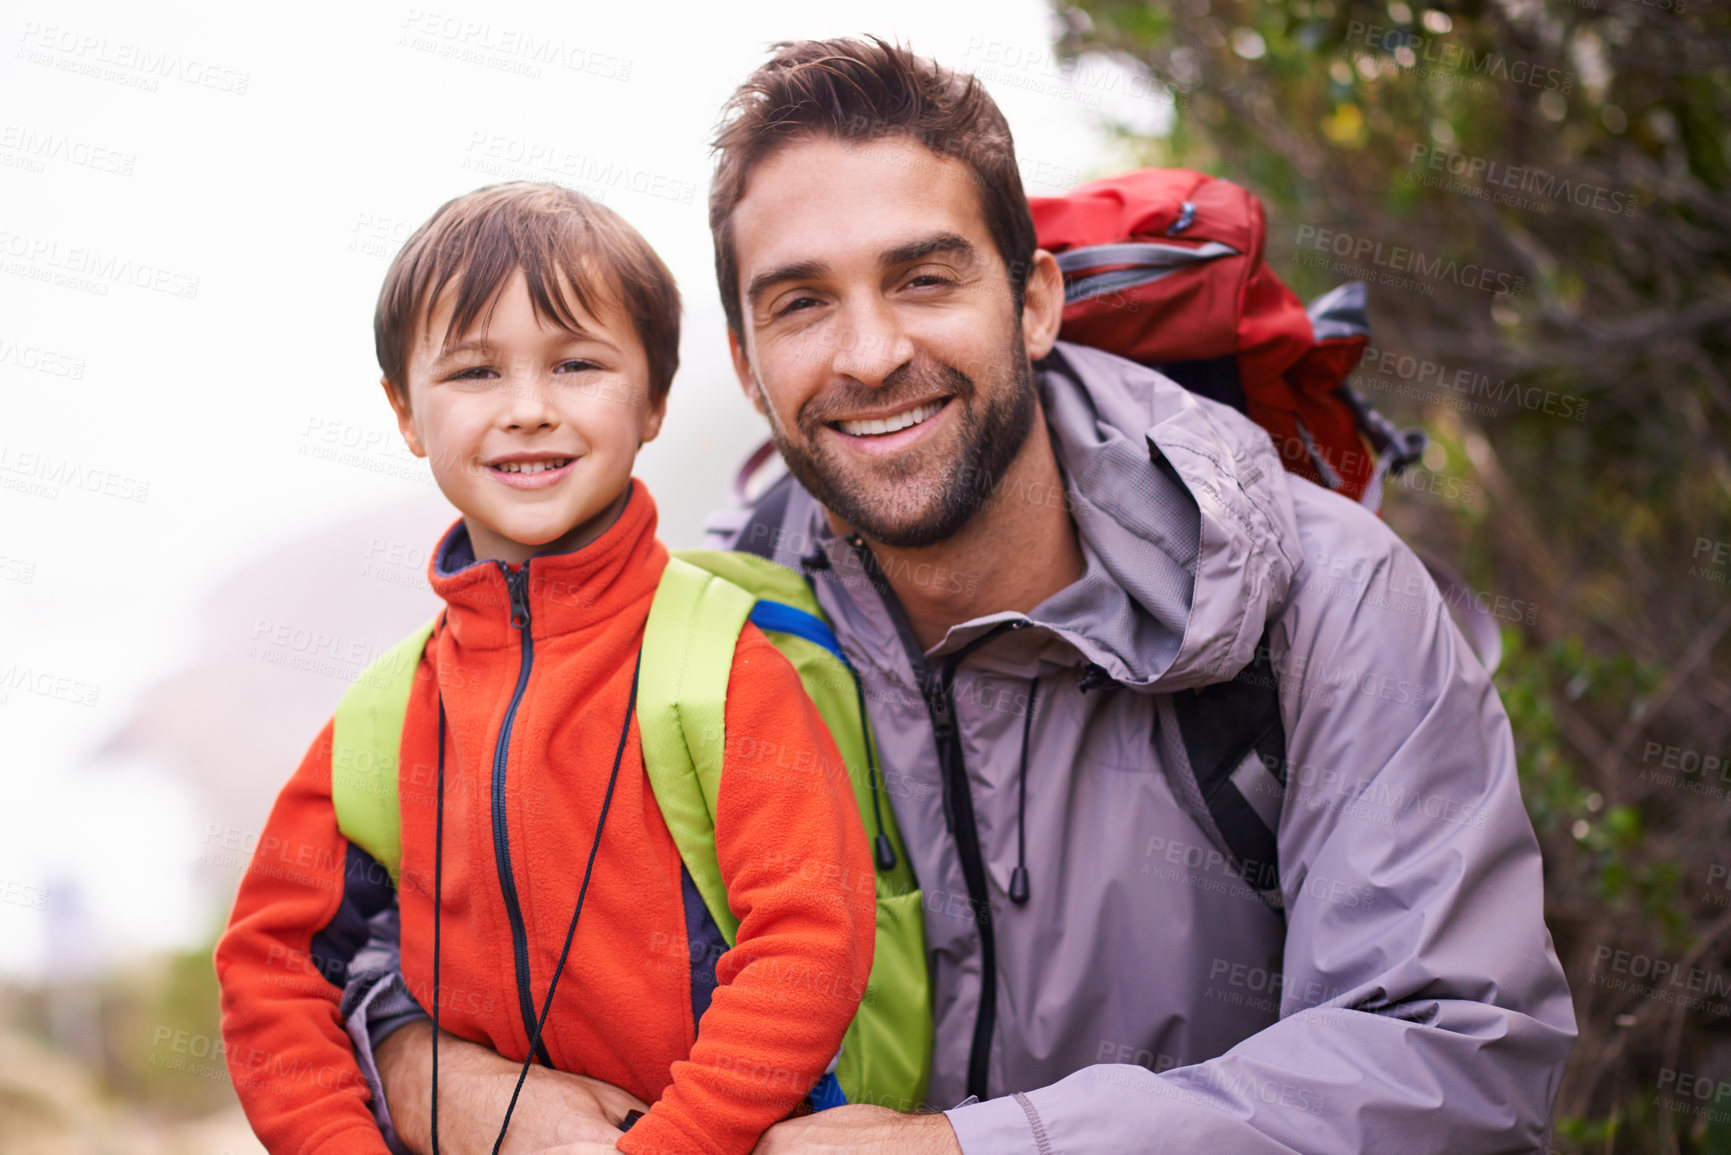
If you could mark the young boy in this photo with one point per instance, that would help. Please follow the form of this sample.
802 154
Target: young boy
528 337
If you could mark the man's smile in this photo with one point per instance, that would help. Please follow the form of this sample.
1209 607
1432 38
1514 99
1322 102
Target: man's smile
890 431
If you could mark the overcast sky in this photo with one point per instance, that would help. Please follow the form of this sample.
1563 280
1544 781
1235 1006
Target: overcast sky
197 202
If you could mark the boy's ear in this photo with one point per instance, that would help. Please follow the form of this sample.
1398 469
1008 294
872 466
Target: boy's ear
652 421
742 370
405 421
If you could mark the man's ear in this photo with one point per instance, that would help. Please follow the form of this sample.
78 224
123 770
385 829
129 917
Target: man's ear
742 370
405 420
1042 305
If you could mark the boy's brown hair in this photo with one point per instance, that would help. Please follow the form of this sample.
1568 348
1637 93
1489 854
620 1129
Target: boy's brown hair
562 240
865 90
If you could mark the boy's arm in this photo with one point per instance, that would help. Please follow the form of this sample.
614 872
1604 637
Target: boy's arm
799 877
300 918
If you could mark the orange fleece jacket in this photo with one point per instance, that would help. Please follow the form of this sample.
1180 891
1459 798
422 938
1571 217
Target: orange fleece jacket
523 789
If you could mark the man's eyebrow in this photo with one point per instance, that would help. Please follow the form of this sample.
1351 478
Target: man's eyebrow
797 271
945 242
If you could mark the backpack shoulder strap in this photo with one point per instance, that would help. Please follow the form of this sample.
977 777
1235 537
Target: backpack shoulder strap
1235 744
886 1054
366 742
688 644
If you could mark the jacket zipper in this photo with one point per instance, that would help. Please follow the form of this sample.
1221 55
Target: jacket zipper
958 815
518 586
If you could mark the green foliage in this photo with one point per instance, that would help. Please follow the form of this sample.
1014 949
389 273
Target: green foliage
1407 124
163 1032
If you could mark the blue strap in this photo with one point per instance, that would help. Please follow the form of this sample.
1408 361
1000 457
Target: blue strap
827 1094
785 619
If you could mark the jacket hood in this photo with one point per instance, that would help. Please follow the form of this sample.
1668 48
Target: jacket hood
1185 518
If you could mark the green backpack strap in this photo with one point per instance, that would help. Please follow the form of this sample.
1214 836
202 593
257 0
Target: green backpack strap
688 643
687 655
366 745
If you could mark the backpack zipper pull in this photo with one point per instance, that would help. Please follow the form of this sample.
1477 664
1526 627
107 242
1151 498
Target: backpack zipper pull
885 853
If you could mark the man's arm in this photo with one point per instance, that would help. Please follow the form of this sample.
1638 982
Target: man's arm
475 1086
1423 1009
861 1129
393 1043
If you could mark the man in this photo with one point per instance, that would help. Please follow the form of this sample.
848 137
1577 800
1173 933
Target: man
1031 551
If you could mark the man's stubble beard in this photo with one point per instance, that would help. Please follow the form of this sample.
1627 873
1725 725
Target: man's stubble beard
989 437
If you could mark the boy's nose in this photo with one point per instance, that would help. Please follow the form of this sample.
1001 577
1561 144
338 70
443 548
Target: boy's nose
529 402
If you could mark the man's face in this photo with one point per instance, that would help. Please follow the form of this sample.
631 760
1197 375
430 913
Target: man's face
881 336
531 430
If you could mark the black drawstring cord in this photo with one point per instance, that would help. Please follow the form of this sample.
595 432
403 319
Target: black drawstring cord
438 895
1019 888
884 852
571 931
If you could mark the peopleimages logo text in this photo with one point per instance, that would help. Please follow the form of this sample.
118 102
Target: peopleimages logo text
1495 174
1450 54
1404 260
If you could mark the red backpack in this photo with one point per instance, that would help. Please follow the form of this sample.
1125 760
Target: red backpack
1164 266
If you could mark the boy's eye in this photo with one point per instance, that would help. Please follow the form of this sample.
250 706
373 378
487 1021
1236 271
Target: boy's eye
473 373
577 365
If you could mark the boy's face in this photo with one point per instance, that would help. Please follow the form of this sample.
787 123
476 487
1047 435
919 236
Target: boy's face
531 431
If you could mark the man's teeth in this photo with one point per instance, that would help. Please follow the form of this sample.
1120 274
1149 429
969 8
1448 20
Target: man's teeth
889 424
532 466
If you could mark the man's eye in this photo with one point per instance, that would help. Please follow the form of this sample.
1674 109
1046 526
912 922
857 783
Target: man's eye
928 279
796 304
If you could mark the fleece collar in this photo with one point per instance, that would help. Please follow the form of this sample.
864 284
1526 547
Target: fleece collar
562 591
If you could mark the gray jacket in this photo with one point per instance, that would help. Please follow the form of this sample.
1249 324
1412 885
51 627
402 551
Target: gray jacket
1144 997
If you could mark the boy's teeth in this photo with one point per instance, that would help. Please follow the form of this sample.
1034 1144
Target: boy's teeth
531 466
889 424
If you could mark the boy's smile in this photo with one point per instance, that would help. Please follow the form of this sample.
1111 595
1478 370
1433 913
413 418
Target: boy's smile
531 429
531 471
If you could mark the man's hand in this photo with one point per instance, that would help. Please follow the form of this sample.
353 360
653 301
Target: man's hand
475 1084
861 1129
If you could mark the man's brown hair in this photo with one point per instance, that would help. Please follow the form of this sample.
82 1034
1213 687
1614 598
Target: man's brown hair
865 90
562 240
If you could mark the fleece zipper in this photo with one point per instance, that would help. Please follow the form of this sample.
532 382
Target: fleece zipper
518 586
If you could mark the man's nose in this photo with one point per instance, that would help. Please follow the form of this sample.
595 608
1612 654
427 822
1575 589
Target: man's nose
871 344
